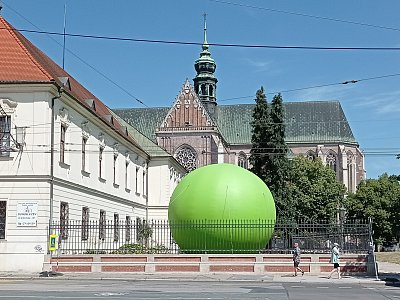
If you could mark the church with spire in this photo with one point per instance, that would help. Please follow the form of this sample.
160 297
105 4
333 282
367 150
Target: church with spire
198 132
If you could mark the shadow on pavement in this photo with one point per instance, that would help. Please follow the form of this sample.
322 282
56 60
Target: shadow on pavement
50 274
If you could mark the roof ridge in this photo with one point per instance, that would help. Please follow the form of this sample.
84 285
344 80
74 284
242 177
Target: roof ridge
12 31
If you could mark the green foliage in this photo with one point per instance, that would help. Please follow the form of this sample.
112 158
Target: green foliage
141 249
261 132
95 251
378 199
313 190
279 167
144 231
268 156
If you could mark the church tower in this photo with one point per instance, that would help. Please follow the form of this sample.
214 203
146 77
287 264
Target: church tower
205 83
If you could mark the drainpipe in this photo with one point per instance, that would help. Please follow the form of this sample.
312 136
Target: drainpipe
147 190
60 90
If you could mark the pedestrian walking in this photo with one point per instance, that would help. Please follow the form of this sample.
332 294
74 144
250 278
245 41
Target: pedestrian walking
296 259
335 258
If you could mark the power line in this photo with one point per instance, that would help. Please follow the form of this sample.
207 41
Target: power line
317 86
223 100
307 15
88 151
80 59
113 38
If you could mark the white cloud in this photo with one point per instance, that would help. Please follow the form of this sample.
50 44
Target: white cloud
261 65
333 92
381 103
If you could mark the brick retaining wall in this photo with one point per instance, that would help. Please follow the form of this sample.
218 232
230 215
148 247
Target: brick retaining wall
206 263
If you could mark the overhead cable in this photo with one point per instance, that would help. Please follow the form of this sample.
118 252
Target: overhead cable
123 39
307 15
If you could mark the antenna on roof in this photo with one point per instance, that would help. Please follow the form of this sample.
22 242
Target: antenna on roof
65 25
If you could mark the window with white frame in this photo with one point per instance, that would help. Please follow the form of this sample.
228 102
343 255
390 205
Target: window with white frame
62 142
116 227
144 183
64 219
137 181
5 143
115 168
128 225
3 219
101 161
85 223
84 157
127 174
102 225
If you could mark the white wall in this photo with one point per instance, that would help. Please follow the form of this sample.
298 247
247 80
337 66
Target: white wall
25 175
164 176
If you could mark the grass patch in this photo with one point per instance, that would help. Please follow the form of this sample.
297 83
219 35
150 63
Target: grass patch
391 257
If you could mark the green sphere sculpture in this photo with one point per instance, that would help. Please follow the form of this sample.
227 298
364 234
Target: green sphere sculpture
221 208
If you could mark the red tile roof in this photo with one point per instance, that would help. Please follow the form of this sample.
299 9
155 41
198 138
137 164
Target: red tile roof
16 63
21 61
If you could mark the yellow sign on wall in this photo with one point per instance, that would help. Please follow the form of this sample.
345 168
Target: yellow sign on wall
53 242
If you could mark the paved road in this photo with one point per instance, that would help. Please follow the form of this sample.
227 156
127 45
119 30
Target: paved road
196 290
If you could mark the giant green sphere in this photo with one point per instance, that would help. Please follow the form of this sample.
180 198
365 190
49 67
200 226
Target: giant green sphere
221 208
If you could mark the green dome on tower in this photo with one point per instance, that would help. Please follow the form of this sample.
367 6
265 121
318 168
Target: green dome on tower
205 82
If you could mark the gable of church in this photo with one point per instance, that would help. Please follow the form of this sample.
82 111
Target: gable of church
187 111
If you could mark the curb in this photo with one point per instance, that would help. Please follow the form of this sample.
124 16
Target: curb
264 278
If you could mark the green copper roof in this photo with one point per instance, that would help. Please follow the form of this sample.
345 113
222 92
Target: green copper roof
145 120
147 145
307 122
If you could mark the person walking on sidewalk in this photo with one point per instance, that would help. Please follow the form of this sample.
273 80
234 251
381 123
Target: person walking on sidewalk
335 260
296 259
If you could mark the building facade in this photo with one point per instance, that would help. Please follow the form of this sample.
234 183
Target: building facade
197 131
66 157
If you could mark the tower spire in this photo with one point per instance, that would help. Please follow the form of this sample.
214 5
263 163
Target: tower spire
205 82
205 44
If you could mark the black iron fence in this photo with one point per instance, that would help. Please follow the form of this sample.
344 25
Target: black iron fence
156 236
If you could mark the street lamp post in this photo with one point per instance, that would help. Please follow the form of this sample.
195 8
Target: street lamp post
342 216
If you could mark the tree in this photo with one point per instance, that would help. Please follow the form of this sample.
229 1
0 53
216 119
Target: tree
261 132
279 167
313 190
378 199
268 154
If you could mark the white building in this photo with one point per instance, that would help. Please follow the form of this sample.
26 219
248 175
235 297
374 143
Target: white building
65 156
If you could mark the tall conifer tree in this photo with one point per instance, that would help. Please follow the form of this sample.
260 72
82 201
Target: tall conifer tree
261 135
279 161
268 154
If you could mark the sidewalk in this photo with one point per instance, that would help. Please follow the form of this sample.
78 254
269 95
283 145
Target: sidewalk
388 273
270 277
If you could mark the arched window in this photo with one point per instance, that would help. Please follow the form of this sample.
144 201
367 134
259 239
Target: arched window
211 88
311 155
242 160
331 161
351 169
203 90
187 157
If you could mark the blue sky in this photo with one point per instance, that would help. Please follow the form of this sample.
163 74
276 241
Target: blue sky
154 73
